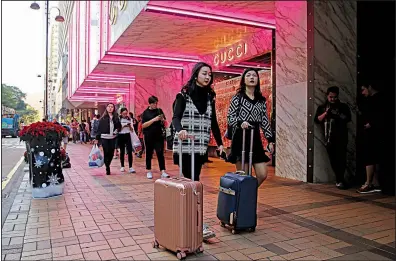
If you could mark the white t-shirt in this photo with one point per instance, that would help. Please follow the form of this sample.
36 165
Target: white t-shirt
124 128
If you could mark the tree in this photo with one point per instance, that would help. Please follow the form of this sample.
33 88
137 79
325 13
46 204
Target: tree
14 98
29 115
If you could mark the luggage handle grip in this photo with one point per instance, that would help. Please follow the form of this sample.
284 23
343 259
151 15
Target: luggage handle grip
250 152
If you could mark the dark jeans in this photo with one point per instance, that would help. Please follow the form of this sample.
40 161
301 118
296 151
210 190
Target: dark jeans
157 144
186 165
337 152
124 140
108 151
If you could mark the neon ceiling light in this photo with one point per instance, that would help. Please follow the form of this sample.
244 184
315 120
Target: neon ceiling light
88 80
143 65
208 16
252 66
109 78
102 88
111 75
101 91
220 71
154 57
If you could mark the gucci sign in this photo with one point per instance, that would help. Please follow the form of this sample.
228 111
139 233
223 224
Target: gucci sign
228 54
115 8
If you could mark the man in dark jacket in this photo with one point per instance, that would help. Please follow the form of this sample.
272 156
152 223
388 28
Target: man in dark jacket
334 116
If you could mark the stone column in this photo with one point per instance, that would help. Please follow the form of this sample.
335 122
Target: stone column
315 49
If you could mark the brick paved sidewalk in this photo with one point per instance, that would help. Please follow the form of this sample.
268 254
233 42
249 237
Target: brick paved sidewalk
103 217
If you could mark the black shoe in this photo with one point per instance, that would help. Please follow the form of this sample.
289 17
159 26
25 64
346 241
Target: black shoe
107 171
341 185
209 161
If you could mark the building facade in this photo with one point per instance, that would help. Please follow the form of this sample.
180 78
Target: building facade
125 51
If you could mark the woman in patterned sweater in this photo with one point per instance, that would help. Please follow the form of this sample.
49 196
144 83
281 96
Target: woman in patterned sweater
195 114
248 109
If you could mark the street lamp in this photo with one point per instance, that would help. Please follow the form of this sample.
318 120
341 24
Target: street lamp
58 18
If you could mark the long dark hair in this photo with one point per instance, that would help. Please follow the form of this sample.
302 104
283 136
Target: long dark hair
106 113
242 85
190 86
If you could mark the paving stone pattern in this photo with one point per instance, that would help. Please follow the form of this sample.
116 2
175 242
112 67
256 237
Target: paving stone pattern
103 217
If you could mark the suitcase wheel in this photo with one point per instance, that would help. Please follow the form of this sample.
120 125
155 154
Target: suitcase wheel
252 229
181 255
222 224
155 244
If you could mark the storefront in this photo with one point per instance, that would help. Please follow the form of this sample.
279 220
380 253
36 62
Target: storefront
149 48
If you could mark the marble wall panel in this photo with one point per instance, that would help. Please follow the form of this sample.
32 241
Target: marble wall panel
334 64
291 89
167 87
144 88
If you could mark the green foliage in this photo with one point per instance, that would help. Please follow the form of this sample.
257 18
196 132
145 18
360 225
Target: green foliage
14 98
29 115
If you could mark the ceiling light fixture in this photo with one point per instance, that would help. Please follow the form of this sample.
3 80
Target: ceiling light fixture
222 18
153 57
88 80
112 75
143 65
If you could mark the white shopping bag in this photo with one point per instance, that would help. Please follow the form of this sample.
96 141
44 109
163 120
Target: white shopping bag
136 144
95 159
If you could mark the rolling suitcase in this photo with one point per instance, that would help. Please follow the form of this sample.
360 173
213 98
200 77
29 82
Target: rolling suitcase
237 201
178 212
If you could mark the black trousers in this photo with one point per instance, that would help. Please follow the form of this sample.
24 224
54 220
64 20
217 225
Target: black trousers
124 140
337 152
108 151
157 144
186 165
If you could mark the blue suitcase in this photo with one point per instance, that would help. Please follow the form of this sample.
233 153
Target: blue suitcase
237 201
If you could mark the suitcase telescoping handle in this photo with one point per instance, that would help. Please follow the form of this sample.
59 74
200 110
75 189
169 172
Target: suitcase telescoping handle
250 152
191 138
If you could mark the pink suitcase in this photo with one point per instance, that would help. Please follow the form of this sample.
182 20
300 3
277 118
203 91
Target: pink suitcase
178 213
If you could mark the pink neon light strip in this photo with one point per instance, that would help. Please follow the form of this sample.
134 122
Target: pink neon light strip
101 92
111 75
104 89
209 16
252 66
122 89
143 65
154 57
88 80
228 72
110 78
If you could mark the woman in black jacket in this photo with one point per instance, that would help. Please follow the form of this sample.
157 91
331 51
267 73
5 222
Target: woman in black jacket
109 126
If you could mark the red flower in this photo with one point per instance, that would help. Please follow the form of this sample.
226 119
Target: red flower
44 129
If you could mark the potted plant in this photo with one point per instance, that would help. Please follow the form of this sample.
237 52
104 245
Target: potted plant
43 140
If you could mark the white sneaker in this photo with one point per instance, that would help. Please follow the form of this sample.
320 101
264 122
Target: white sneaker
149 175
207 233
122 169
164 175
132 170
